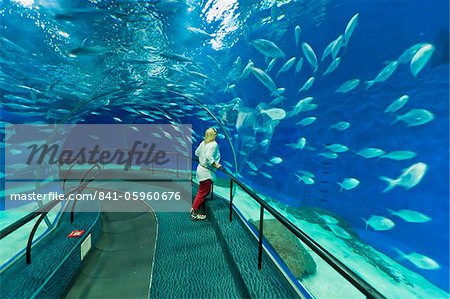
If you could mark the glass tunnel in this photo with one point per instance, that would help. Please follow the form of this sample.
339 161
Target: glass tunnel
321 127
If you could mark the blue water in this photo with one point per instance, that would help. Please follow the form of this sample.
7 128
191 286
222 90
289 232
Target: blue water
39 58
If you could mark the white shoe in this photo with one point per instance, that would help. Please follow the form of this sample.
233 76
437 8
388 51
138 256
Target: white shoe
198 216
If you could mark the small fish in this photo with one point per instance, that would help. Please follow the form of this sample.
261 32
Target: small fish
252 166
385 73
419 260
370 152
267 48
409 53
214 62
348 184
243 153
118 119
327 218
328 155
16 106
399 155
271 65
307 173
379 223
15 152
304 105
168 136
411 216
199 32
198 74
231 88
264 79
397 104
409 178
62 111
227 164
281 90
415 117
336 46
299 145
246 70
94 137
134 129
307 121
276 160
341 126
307 85
350 28
348 86
421 58
339 231
299 65
333 66
265 174
144 112
176 57
298 31
274 113
337 148
310 56
287 66
17 166
264 142
305 179
327 50
87 51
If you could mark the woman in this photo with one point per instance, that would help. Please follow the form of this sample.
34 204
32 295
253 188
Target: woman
209 156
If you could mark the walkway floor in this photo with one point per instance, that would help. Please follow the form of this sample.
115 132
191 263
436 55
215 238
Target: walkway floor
120 265
191 262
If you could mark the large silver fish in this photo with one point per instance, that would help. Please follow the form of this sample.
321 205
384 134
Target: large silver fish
267 48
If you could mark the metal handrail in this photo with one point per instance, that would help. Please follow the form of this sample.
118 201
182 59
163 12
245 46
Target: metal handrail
368 290
42 211
82 182
68 172
27 218
127 164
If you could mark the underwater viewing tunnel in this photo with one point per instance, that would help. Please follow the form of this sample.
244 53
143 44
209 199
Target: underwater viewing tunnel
224 149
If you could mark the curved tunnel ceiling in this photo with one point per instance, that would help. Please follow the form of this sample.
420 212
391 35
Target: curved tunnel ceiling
101 56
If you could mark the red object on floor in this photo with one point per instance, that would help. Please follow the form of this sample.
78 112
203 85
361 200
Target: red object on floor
76 233
203 190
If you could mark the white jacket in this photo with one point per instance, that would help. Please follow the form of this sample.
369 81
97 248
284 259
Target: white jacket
207 154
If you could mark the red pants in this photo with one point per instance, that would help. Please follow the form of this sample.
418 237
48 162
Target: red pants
203 191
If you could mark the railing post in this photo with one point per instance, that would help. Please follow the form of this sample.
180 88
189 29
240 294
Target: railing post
261 236
30 238
128 164
212 190
177 164
231 199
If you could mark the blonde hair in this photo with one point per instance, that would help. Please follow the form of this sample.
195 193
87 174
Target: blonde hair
210 135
